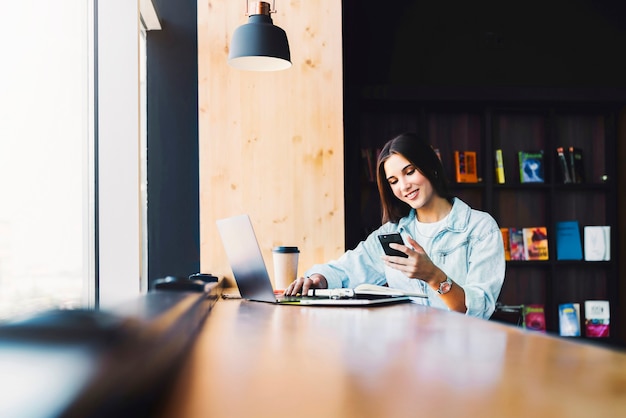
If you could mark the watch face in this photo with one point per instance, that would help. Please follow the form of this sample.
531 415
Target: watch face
445 287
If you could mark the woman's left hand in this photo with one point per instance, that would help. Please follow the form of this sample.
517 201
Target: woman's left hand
416 266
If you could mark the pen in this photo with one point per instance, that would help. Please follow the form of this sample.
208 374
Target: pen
332 293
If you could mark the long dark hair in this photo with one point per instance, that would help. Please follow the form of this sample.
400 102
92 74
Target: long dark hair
419 153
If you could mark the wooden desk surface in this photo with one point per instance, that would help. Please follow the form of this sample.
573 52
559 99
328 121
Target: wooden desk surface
260 360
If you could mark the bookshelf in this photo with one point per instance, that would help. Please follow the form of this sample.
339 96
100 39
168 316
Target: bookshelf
511 125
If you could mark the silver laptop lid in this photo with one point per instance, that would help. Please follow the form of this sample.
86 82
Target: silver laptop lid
245 258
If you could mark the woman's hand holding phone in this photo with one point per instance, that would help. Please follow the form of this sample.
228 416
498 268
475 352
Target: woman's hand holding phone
386 239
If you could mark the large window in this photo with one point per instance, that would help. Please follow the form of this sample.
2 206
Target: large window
46 155
69 154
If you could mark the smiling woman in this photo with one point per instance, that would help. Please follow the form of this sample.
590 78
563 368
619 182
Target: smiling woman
452 252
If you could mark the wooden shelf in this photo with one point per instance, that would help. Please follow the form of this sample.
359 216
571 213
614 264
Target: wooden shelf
454 119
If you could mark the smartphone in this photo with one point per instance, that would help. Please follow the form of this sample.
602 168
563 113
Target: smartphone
386 239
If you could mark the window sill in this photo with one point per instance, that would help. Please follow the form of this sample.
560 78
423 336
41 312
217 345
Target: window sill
100 363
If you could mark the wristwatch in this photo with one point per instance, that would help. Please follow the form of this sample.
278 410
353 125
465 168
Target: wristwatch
445 286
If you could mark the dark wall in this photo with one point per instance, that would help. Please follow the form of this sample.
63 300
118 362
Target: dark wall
173 184
556 43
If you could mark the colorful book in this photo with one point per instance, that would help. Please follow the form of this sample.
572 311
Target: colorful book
597 243
576 165
507 243
531 167
563 165
465 165
536 242
568 245
569 319
534 317
516 239
499 167
597 318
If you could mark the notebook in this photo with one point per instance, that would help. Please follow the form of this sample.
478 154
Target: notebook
250 273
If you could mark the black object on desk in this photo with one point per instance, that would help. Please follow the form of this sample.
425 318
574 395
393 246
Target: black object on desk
184 284
205 277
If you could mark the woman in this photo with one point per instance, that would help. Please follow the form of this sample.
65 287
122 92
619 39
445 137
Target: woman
455 253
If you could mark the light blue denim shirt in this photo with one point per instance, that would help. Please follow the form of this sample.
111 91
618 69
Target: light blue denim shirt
468 249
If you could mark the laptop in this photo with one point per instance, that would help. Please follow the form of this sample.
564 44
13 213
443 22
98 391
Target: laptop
249 270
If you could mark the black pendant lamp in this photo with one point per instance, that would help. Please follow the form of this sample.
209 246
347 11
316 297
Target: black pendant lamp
259 45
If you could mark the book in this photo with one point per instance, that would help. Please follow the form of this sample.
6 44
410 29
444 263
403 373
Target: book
569 319
562 163
531 167
597 243
506 240
536 243
568 245
499 167
576 165
465 166
534 317
367 289
516 240
597 318
373 289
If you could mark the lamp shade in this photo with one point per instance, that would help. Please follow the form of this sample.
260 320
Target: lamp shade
259 46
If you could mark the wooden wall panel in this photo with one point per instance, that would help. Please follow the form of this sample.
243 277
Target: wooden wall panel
271 144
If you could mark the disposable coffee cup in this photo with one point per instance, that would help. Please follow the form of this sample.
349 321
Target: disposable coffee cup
285 266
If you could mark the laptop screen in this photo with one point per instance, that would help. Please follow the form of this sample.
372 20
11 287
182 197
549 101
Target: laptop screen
245 258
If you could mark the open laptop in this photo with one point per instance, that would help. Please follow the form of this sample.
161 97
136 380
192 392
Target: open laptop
246 261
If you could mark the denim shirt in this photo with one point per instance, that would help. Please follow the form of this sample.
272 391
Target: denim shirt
469 250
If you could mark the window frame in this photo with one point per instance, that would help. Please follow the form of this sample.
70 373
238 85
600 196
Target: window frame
120 208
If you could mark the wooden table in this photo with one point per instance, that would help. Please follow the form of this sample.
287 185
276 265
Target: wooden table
255 359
